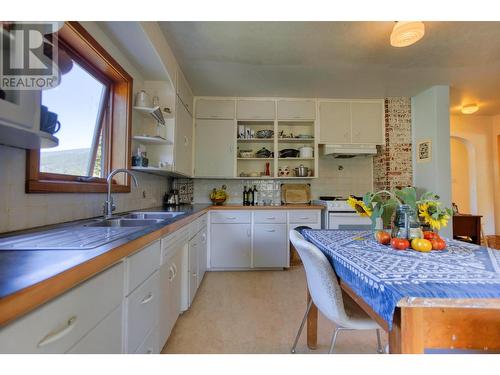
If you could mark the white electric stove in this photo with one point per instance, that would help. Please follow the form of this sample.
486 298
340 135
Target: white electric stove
339 215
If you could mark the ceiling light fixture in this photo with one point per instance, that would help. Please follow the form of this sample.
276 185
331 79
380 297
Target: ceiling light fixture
405 33
469 109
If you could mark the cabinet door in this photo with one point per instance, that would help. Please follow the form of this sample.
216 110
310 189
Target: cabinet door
296 110
334 122
214 156
183 140
202 254
230 245
184 91
215 109
256 110
105 338
193 268
368 122
142 312
269 245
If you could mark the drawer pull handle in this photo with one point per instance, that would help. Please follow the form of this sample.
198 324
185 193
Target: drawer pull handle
270 230
147 299
271 218
231 218
59 334
149 351
304 218
175 269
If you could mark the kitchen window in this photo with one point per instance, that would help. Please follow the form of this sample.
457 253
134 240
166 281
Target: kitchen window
92 103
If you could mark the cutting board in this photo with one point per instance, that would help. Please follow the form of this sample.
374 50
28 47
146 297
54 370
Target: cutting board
295 193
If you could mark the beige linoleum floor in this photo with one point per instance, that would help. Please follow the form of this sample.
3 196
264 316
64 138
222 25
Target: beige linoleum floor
255 312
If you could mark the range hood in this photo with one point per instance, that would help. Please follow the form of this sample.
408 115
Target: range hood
347 150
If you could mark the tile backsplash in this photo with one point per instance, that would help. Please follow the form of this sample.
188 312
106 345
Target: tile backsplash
337 177
19 210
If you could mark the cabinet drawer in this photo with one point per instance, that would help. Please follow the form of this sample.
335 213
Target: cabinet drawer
172 243
215 109
59 324
106 338
231 217
141 265
304 216
296 110
277 217
142 312
256 110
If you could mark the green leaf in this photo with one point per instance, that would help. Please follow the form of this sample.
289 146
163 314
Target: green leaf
367 199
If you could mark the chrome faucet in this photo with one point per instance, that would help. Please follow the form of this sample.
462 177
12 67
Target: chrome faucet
109 206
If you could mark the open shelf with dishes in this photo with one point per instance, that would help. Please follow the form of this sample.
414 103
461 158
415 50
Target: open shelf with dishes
280 146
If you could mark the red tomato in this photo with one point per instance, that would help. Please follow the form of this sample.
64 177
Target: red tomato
400 243
383 237
438 244
428 235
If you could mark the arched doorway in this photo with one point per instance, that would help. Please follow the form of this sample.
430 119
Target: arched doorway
463 175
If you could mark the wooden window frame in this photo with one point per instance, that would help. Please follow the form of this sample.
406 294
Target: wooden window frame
117 138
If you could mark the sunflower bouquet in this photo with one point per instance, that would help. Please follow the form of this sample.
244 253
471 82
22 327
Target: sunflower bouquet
381 205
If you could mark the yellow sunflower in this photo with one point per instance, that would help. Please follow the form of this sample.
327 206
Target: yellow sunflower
361 208
431 215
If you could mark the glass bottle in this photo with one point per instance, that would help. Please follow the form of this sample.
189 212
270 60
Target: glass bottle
245 196
255 197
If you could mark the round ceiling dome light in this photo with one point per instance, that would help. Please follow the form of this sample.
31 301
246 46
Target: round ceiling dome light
469 109
405 33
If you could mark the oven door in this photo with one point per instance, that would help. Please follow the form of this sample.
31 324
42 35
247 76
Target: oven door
348 221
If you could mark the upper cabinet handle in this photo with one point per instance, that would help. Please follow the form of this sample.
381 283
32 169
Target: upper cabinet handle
148 298
58 334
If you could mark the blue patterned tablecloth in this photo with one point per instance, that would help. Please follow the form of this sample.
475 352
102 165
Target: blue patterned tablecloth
383 276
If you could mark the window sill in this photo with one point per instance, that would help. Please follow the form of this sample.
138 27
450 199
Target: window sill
50 186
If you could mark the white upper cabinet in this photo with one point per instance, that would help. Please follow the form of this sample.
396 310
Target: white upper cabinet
183 145
248 109
214 156
352 121
184 91
368 122
215 109
296 109
334 122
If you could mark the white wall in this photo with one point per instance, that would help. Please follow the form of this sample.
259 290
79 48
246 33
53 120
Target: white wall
477 131
431 121
19 210
495 134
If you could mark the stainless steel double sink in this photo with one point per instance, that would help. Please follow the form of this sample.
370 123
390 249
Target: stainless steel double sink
136 219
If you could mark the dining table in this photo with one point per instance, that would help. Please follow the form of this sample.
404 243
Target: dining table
427 302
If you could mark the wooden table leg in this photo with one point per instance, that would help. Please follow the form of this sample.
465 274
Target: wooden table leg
312 325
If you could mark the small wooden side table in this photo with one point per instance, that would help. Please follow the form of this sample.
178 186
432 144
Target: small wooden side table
468 226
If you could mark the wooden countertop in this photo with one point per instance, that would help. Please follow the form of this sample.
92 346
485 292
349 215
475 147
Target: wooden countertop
29 279
281 207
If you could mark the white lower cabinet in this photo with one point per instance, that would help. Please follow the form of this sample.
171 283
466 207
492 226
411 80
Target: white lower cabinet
270 245
106 338
59 324
170 294
151 344
247 239
193 268
202 254
142 312
230 245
